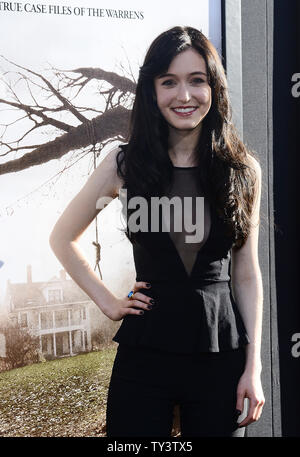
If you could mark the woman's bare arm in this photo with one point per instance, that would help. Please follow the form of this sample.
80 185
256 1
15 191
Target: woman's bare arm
248 293
247 280
104 182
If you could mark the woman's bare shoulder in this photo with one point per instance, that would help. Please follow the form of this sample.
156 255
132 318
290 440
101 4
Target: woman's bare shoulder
107 173
253 163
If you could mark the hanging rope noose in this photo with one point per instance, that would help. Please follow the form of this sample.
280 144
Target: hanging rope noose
91 132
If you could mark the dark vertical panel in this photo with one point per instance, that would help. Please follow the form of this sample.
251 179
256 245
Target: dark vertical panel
286 199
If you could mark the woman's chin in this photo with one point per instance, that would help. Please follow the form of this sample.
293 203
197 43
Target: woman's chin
184 126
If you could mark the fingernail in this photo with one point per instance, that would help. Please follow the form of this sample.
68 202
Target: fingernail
141 312
148 284
150 306
152 301
238 412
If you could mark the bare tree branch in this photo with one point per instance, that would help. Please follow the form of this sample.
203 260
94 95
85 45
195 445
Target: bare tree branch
66 103
18 148
118 82
111 123
111 120
58 124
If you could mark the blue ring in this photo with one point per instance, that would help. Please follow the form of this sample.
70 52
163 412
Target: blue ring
130 294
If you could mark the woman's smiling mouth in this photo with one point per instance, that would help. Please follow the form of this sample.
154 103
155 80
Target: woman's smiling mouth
184 111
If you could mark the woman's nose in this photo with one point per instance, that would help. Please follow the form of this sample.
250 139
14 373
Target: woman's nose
183 94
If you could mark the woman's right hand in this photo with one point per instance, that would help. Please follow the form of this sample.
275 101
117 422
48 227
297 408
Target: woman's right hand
119 308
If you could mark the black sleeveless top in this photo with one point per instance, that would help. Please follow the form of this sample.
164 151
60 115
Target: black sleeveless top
190 281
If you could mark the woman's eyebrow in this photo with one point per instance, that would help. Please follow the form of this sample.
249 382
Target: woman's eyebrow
163 75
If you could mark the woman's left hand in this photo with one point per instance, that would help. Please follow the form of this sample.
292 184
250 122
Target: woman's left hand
250 387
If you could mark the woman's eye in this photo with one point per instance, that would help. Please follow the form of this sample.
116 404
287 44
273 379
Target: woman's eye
198 80
168 82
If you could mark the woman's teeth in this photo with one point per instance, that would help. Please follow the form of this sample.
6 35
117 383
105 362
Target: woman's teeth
184 110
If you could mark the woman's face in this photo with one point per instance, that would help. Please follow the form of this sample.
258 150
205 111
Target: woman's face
183 94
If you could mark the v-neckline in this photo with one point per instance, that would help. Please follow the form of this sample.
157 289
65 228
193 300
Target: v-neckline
176 253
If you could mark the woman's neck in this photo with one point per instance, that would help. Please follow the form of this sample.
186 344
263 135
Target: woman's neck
182 145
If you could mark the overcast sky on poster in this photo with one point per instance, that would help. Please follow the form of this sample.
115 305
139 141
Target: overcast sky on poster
37 41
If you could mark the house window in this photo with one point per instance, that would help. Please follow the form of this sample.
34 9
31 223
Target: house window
47 344
23 320
54 296
83 313
61 318
46 320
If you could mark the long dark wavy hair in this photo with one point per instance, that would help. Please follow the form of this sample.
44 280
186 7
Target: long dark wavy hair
225 174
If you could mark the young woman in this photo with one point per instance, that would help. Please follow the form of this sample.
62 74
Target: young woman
191 330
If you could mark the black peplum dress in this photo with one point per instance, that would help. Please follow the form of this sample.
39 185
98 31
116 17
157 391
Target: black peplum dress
190 282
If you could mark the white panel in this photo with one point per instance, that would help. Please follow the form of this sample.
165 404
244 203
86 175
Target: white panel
40 41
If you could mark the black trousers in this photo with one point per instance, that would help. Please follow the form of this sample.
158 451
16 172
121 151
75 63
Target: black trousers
146 383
